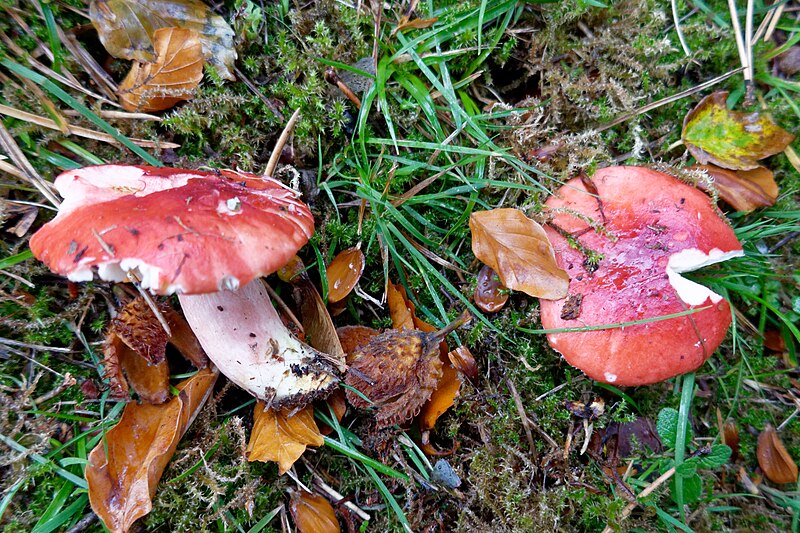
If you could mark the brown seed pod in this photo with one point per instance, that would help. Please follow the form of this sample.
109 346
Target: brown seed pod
398 371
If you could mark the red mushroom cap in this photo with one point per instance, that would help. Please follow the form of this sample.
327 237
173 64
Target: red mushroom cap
183 231
654 228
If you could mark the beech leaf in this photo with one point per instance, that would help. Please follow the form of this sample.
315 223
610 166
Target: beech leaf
343 273
517 248
441 399
172 78
731 139
312 513
744 190
774 459
127 27
282 438
123 469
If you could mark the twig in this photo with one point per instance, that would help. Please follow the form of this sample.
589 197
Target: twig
87 520
68 382
523 416
18 278
276 153
647 490
332 78
668 100
737 33
108 113
338 497
10 147
137 282
39 347
78 130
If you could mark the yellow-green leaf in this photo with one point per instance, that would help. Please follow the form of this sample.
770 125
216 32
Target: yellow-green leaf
731 139
127 27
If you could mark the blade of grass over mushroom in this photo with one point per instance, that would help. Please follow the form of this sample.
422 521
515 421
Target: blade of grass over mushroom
59 93
614 326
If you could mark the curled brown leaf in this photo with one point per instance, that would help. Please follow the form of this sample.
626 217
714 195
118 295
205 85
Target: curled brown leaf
774 459
123 469
312 513
343 273
126 29
490 295
744 190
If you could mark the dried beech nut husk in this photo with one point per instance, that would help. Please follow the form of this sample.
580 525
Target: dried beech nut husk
312 513
490 295
397 371
774 460
343 273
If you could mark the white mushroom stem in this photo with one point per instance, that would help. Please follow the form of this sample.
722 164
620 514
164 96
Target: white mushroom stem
243 335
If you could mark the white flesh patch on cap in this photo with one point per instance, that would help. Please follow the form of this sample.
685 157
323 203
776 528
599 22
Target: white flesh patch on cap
104 183
692 259
147 274
611 378
231 206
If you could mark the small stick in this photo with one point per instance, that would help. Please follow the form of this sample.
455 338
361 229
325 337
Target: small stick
150 303
737 32
748 48
647 490
523 416
678 30
276 153
332 78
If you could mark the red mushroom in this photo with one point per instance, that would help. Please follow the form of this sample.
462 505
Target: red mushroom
647 228
201 235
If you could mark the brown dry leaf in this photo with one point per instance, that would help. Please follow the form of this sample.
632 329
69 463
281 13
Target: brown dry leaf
123 482
126 29
312 513
149 381
172 78
463 361
774 460
441 399
490 295
730 437
415 24
401 309
517 248
744 190
343 273
281 438
354 337
731 139
135 348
